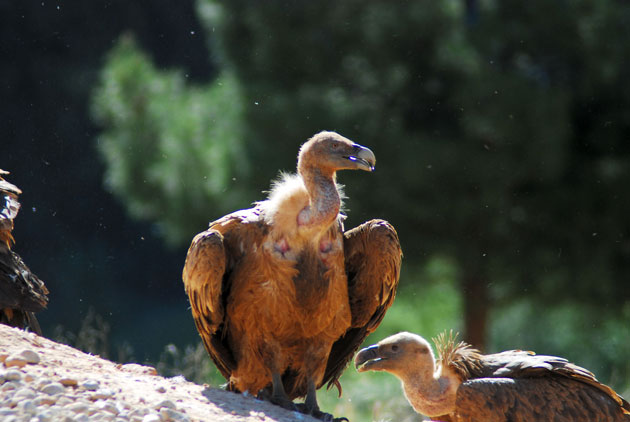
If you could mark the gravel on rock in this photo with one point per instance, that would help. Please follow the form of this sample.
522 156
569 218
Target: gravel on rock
44 381
31 396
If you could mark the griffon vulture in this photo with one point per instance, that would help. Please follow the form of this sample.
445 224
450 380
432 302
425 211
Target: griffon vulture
465 385
21 292
281 296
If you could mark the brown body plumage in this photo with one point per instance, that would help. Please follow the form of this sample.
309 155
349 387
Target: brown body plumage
464 385
21 292
282 297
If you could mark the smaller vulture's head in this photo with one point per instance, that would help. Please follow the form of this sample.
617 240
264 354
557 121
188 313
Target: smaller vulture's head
400 354
330 152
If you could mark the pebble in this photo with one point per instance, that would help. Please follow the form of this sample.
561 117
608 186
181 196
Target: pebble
29 356
46 416
69 382
77 407
63 401
27 406
90 385
15 360
24 394
165 403
139 412
107 406
53 388
42 382
103 393
134 367
151 417
167 415
13 375
11 385
45 401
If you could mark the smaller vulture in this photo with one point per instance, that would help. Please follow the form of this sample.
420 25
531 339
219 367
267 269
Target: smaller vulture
464 385
281 295
21 292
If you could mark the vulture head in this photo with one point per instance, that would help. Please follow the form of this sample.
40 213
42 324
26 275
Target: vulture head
431 389
397 354
9 207
318 162
329 152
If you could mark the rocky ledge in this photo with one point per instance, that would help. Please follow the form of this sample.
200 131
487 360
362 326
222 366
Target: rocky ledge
44 381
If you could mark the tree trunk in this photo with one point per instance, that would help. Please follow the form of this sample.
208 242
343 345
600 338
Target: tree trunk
472 12
476 305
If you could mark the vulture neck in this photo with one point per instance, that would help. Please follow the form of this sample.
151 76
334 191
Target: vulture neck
430 393
324 200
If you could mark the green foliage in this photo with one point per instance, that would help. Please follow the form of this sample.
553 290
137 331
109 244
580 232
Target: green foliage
94 337
600 346
174 152
191 362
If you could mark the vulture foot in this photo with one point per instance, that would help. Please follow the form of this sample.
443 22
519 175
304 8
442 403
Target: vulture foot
283 402
318 414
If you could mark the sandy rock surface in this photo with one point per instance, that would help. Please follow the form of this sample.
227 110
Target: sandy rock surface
42 381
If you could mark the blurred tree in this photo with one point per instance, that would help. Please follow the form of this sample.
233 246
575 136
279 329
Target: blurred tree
567 237
503 140
172 152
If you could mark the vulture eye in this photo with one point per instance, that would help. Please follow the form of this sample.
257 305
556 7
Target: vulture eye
395 348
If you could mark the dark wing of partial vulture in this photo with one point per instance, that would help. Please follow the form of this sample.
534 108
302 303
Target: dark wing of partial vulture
522 382
19 287
551 399
21 292
372 258
521 364
210 259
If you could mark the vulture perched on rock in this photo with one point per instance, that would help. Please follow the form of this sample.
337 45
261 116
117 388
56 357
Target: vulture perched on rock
21 292
281 296
465 385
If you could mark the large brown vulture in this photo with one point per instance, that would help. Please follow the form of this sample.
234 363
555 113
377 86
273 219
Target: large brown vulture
465 385
281 296
21 292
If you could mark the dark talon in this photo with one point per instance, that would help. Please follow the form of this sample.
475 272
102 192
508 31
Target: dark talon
326 417
287 404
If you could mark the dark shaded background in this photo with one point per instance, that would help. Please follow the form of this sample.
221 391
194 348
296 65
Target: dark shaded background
70 231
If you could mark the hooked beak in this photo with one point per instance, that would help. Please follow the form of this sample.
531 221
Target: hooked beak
363 157
368 358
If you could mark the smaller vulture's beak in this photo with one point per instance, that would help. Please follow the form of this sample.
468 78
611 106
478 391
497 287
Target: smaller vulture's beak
366 358
363 157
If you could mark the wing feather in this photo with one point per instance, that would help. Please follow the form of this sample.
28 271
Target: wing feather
206 275
372 258
556 399
523 364
203 280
